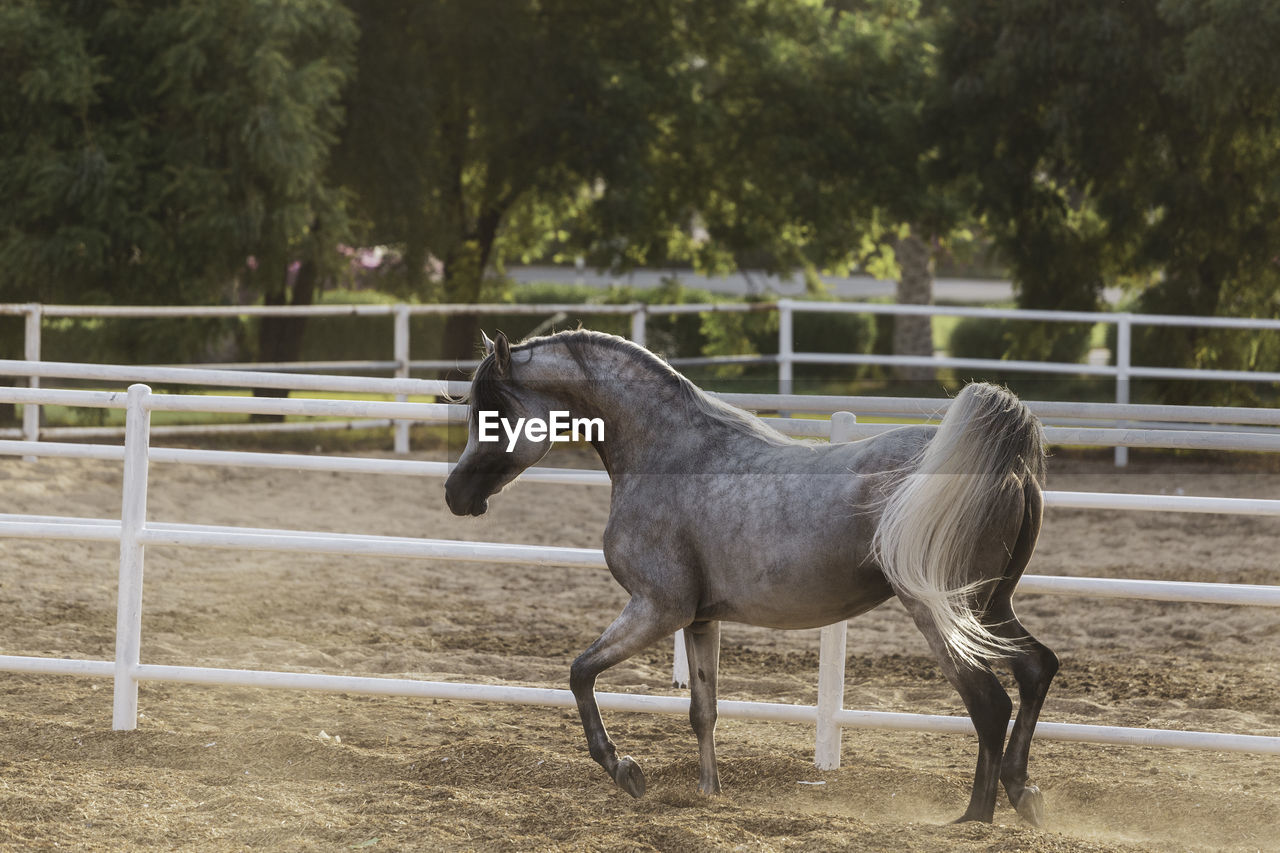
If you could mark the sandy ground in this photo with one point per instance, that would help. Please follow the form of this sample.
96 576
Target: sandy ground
226 768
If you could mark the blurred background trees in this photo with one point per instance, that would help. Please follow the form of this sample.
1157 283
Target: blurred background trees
1125 144
195 152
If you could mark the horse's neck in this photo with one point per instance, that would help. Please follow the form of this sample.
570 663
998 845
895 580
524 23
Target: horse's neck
638 406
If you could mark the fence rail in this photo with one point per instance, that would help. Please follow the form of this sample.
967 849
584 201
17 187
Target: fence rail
134 533
1123 371
455 413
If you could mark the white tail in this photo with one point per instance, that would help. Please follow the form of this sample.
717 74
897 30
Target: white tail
988 445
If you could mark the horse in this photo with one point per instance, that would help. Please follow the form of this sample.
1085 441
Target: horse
715 516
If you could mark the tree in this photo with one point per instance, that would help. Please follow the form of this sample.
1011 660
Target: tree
1136 142
474 126
803 144
156 154
797 136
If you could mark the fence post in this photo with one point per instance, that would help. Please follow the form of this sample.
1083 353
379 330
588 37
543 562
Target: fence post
133 517
831 652
786 346
401 345
638 326
1124 360
680 665
31 352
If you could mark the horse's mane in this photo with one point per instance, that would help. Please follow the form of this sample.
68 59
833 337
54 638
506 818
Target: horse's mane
487 386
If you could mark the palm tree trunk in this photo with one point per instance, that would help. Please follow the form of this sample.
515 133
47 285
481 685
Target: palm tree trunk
913 334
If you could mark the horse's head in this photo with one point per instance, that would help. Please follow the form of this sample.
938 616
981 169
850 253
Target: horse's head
498 447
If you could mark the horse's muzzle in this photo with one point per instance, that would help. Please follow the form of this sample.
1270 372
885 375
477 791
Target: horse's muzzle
461 504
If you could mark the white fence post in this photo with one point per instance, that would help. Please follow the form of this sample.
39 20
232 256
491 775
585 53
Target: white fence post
133 517
638 326
1124 361
831 651
680 667
401 345
31 352
786 346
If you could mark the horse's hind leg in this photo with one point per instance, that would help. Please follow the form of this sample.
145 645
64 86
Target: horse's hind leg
702 642
1033 664
639 626
1033 667
989 708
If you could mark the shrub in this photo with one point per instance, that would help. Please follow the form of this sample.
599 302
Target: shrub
165 340
1199 348
1020 340
978 337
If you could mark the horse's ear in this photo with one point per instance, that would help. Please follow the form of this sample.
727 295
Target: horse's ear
502 354
488 344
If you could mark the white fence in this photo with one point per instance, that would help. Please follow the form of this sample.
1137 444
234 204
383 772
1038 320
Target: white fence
1123 371
907 407
134 532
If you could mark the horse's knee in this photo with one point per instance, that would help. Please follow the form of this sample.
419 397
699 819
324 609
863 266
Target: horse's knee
1049 663
1035 668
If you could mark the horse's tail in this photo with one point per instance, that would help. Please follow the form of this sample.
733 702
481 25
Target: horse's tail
987 449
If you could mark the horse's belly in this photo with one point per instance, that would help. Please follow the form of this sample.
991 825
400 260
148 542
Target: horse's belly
795 599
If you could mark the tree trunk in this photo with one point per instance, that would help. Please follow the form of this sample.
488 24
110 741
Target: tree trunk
464 271
280 338
912 334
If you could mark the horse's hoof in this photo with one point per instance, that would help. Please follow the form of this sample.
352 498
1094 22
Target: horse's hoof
968 818
629 777
1030 806
709 789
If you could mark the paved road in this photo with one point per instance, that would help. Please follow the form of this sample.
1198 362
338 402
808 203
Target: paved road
857 286
961 290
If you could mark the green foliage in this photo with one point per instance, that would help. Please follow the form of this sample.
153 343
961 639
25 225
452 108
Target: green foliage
832 333
1136 141
705 334
147 150
477 128
795 140
977 337
1218 349
1020 340
144 341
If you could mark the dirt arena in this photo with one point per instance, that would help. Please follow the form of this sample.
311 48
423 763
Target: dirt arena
227 768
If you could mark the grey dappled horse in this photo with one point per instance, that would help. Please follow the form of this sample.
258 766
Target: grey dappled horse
715 516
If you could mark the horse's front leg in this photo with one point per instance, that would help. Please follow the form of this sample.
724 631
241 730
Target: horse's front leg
640 625
702 642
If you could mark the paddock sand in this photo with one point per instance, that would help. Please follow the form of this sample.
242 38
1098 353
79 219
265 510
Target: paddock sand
226 768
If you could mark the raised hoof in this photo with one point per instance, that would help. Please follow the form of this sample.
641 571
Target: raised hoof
1030 806
629 777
